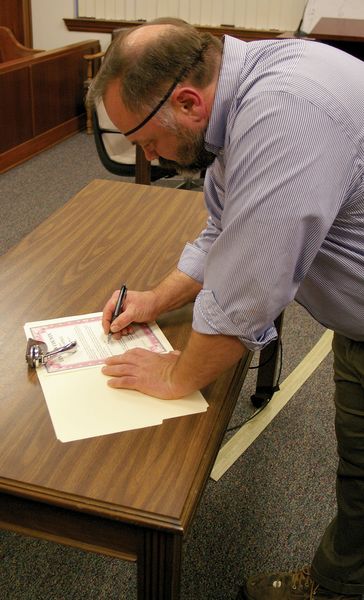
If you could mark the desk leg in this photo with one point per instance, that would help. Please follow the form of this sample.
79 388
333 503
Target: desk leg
268 368
159 566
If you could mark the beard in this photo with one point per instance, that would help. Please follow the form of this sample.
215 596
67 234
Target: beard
192 146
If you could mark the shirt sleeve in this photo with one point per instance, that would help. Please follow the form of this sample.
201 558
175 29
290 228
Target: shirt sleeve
193 257
272 198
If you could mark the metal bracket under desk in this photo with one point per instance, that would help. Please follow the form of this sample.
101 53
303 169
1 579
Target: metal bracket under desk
268 368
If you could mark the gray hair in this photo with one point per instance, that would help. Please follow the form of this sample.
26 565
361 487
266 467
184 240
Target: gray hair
146 71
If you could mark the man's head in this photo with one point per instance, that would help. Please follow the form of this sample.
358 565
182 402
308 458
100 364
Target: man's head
158 82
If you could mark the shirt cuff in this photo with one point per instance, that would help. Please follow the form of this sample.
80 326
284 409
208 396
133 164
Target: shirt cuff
192 262
209 318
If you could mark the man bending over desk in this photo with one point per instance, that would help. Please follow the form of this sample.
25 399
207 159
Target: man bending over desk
279 125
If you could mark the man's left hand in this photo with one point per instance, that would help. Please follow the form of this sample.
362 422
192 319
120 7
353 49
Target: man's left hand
145 371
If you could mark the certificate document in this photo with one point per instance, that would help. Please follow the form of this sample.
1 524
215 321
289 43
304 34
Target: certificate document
80 403
92 344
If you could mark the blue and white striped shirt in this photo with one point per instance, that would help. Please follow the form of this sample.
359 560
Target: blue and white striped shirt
285 194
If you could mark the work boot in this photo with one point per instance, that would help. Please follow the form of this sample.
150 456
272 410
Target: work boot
295 585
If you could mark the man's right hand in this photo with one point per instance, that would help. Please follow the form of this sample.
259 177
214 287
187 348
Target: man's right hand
138 307
176 290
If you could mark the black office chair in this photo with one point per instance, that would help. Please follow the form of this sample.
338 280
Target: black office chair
116 153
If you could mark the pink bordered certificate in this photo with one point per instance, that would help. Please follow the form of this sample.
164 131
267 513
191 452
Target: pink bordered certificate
92 344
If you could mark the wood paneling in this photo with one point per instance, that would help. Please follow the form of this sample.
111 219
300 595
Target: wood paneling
41 100
14 108
58 90
34 145
16 14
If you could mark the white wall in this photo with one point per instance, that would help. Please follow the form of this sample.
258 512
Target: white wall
49 29
251 14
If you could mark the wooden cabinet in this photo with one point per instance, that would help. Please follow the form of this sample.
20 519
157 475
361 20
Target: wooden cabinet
16 14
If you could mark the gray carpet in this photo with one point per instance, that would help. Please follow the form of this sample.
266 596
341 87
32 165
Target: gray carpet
268 511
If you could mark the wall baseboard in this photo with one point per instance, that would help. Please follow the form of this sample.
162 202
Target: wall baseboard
26 150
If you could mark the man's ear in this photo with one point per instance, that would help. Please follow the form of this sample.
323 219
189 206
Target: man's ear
189 103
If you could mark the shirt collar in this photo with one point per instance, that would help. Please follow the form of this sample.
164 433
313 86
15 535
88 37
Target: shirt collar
232 62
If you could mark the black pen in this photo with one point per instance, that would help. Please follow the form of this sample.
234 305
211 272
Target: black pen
118 307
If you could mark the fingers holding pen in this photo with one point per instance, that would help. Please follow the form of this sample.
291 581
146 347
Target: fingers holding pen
121 325
138 307
115 318
108 311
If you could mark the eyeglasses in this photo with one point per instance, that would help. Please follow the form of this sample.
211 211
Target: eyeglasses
168 93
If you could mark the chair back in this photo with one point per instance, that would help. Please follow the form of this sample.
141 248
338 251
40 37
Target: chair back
116 153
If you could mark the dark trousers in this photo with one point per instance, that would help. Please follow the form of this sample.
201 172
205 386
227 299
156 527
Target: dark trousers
339 561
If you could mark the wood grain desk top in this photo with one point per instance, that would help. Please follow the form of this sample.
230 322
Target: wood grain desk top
349 30
69 265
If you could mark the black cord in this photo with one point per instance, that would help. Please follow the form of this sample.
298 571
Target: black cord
259 410
275 388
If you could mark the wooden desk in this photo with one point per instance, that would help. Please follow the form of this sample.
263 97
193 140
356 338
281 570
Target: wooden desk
346 34
131 495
